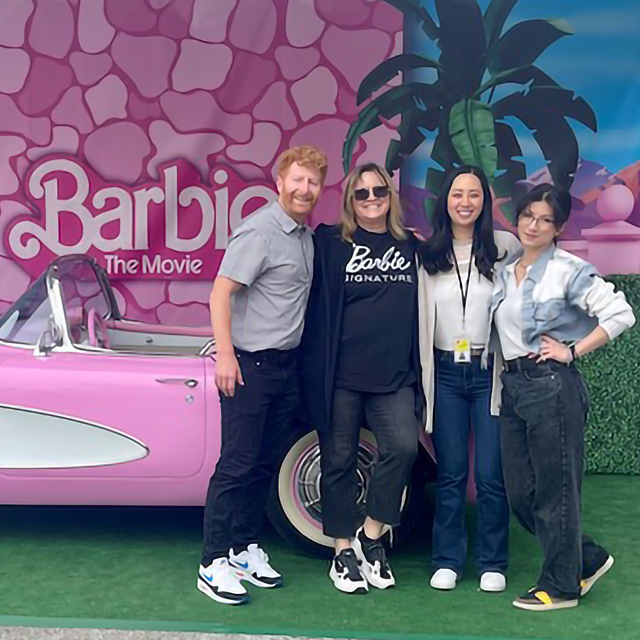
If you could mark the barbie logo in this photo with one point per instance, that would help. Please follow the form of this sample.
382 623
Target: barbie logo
174 226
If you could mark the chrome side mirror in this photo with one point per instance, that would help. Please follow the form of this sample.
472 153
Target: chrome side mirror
49 339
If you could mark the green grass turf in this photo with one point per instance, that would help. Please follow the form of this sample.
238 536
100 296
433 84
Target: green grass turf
140 565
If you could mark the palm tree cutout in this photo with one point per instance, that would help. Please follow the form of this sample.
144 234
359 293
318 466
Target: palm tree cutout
457 109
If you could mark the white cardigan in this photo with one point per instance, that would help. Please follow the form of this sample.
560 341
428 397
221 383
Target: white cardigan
505 241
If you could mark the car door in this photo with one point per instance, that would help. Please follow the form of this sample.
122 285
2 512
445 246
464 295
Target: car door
101 415
89 425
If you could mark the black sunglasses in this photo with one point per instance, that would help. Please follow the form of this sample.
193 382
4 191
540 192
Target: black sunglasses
378 192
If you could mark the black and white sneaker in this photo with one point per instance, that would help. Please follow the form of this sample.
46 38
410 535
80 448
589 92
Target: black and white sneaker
220 583
373 559
345 573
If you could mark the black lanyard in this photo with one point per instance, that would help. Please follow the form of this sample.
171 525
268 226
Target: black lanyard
464 291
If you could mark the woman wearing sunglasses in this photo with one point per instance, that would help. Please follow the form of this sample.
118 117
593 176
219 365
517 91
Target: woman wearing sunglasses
551 307
460 260
360 365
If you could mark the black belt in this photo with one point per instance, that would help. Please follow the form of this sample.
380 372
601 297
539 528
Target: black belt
267 355
476 354
525 363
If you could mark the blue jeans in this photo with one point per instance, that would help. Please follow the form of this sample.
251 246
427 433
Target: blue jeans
462 402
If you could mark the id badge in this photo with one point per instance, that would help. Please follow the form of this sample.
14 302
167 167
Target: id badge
461 350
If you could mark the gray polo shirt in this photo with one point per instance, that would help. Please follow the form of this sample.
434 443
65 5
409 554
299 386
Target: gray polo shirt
272 255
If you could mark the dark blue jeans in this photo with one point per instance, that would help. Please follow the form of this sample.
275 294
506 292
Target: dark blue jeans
544 410
462 402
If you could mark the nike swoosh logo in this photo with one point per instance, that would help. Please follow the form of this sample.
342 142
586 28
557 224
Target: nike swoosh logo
242 565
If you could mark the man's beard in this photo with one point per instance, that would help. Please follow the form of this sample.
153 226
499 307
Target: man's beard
287 199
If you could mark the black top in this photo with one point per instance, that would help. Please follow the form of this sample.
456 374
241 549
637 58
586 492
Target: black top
324 326
379 307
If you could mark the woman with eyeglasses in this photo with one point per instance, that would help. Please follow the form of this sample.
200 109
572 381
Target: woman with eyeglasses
551 307
360 365
460 261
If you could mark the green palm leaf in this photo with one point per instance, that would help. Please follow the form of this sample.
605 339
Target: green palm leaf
494 18
368 118
530 75
417 124
443 151
510 170
554 136
551 102
462 43
509 149
388 69
524 43
471 127
402 99
433 184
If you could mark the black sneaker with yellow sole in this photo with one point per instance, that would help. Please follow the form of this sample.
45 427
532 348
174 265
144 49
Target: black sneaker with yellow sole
588 582
538 600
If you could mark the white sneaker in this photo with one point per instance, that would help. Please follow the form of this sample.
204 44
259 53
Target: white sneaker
252 564
492 581
220 583
445 579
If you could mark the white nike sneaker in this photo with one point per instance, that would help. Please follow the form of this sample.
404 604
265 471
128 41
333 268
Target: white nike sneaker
220 583
252 565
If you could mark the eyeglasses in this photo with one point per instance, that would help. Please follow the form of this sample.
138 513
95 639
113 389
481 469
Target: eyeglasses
543 222
378 192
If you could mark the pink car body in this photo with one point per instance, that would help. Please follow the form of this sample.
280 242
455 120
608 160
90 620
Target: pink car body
96 409
134 423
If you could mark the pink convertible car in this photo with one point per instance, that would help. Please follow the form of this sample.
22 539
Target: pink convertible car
96 409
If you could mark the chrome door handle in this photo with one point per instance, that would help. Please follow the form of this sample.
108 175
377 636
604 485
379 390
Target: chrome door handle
189 382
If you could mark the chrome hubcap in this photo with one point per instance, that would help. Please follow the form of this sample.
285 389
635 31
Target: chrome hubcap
307 480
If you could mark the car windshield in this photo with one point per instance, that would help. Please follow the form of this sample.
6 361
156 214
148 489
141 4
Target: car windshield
28 318
81 291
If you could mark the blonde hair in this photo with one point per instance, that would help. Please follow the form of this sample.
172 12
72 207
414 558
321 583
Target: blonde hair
306 156
348 216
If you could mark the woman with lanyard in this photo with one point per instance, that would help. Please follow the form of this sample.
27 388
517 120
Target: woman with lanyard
360 364
550 307
455 284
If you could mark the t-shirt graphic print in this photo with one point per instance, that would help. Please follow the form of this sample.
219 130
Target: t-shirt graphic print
379 310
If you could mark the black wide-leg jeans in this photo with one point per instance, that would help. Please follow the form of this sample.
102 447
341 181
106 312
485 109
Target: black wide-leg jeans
391 417
256 422
542 419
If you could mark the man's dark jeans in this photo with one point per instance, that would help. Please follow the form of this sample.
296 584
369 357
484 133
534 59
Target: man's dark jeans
391 417
544 410
462 402
255 424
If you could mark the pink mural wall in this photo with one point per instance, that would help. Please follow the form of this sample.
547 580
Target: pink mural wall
124 96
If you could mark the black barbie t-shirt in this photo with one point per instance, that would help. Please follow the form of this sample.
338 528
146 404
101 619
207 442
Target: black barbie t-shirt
379 314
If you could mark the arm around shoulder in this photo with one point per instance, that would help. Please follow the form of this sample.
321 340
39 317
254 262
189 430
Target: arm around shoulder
507 241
